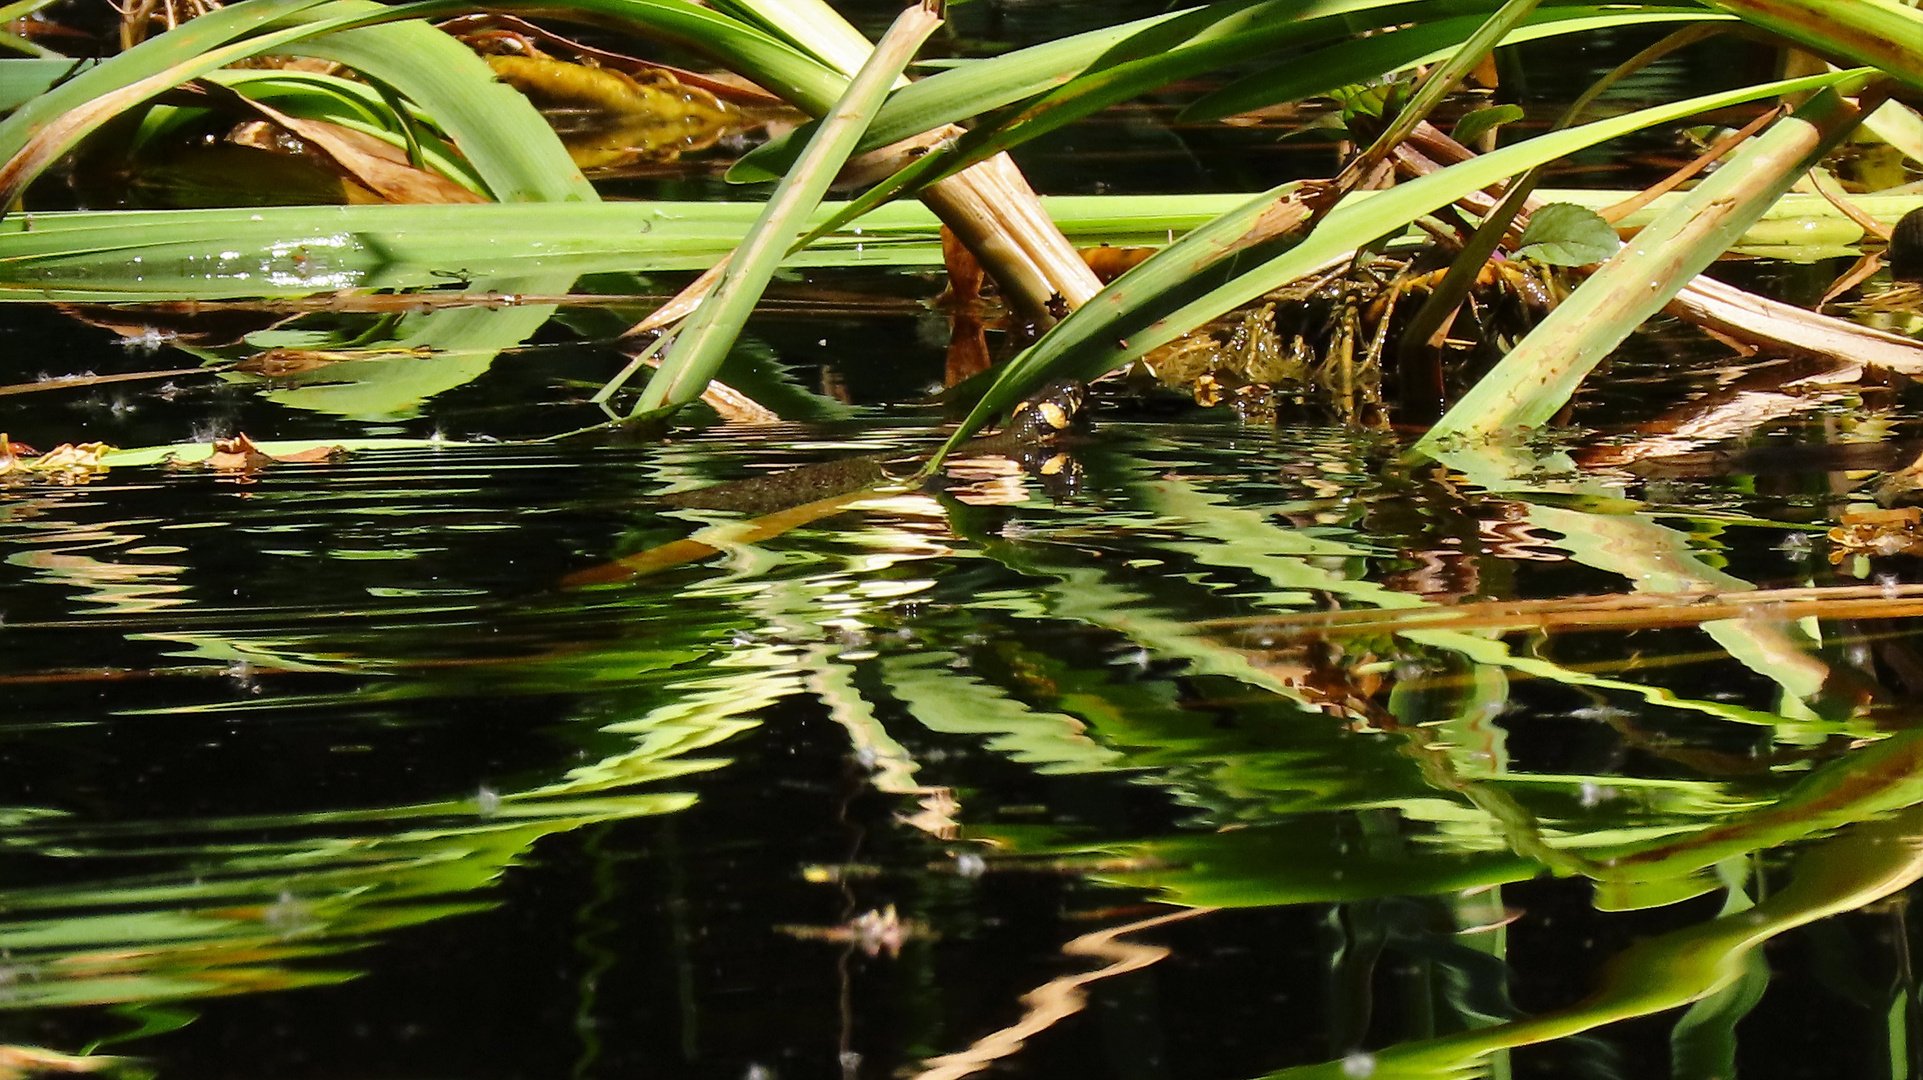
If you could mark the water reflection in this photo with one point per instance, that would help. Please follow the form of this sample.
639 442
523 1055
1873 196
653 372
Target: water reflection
1052 754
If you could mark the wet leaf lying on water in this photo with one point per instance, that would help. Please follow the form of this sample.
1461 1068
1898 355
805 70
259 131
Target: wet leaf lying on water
64 464
240 454
289 450
19 1062
68 463
1872 531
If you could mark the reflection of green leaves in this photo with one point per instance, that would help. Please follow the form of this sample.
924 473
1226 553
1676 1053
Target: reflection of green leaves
1645 839
954 703
1309 859
1563 234
1703 1043
237 918
1869 861
462 342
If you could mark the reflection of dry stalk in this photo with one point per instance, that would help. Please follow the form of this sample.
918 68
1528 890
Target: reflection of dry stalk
1062 997
967 334
1621 611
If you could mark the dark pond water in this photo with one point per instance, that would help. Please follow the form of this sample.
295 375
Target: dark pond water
1213 751
320 771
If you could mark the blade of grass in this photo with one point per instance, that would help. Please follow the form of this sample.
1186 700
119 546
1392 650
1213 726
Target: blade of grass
1438 84
990 205
810 25
1101 87
1424 333
506 138
978 87
44 128
703 343
801 79
512 148
1538 376
21 80
1138 311
297 251
353 104
1092 71
1882 33
1375 57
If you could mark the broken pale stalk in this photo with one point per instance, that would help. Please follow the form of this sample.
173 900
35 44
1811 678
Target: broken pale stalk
1539 376
989 205
681 304
703 343
1757 320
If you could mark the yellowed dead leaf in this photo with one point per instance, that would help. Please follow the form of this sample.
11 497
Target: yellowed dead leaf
64 464
239 454
375 162
26 1061
1870 531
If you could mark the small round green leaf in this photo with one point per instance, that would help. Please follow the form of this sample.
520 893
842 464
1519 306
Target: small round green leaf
1564 234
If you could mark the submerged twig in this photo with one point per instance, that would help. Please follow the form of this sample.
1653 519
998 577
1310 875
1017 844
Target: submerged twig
70 382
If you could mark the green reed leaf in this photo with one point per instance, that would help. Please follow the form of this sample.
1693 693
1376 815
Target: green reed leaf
1157 301
703 341
1377 56
1475 125
1538 376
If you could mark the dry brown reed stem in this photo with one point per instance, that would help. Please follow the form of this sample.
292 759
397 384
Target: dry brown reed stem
1834 195
681 304
1718 150
71 382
